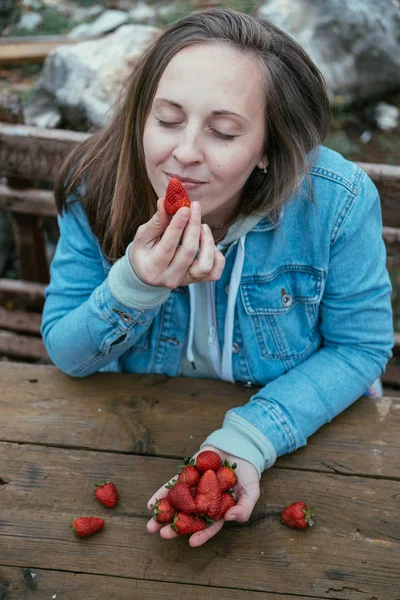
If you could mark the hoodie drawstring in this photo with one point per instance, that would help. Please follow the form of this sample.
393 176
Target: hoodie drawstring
223 367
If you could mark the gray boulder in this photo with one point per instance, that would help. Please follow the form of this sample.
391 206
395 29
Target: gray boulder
355 43
81 82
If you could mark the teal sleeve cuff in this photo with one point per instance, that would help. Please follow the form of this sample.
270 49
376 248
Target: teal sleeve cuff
131 291
242 439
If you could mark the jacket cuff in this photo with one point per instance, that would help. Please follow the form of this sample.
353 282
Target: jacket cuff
242 439
131 291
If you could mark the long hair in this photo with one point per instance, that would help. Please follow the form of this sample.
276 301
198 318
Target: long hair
118 195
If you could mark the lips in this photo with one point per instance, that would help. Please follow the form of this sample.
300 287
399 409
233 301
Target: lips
184 179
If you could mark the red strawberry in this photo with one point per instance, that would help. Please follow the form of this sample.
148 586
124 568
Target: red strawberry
227 477
227 502
85 526
208 459
107 494
202 503
189 474
209 485
175 196
179 496
184 524
193 490
298 515
163 511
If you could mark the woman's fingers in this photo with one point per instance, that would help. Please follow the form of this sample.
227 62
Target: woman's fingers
201 537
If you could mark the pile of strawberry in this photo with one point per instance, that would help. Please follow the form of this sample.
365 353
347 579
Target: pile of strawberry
201 495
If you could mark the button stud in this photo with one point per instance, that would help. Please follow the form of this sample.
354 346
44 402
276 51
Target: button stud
287 300
235 348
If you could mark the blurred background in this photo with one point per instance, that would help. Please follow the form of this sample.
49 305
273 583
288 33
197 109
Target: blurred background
63 64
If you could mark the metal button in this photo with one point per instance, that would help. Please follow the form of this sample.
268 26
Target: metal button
123 316
287 300
227 289
235 348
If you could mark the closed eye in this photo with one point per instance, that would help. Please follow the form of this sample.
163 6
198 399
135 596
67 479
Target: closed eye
218 134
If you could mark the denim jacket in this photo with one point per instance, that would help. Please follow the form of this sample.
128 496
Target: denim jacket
311 326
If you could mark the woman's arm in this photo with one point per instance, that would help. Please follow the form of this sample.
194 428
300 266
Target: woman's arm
357 328
85 327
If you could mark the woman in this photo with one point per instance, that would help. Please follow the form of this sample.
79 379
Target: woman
275 277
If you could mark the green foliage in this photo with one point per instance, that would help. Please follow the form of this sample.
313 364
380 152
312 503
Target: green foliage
54 23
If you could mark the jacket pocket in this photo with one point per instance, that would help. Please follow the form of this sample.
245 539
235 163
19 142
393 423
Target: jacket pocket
283 308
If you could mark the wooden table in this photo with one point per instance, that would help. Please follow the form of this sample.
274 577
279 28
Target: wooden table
59 436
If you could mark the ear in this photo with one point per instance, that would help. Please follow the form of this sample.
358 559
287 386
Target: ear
263 162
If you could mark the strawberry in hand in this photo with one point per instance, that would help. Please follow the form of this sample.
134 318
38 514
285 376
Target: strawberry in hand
175 196
246 490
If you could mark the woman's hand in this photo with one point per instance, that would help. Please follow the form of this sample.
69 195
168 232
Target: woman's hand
158 258
247 491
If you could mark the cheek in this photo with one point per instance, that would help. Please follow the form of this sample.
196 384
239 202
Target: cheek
154 146
235 164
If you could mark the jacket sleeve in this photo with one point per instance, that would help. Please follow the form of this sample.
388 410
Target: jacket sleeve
86 324
357 329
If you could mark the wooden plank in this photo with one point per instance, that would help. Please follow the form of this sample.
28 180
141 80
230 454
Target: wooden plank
34 152
353 551
387 180
44 584
392 374
22 51
158 415
21 293
27 201
22 346
31 247
21 321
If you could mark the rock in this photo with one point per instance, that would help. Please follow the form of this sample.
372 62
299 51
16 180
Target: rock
107 21
82 14
82 81
30 21
142 13
33 4
41 111
386 116
355 43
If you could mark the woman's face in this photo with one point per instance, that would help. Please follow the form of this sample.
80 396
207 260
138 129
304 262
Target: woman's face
206 127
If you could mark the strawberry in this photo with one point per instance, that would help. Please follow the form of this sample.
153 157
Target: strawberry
184 524
202 503
189 474
208 459
175 196
107 494
163 511
180 497
227 502
227 477
193 490
298 515
209 485
85 526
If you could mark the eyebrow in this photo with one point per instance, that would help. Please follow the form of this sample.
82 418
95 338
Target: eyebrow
214 112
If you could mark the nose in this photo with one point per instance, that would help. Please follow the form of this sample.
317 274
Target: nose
188 149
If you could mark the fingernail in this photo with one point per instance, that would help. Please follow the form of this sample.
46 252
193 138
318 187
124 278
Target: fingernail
196 207
205 228
185 212
231 518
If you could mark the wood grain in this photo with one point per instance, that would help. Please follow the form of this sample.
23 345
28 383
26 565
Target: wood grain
357 518
42 585
164 416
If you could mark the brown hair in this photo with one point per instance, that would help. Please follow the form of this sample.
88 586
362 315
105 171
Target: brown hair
119 197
